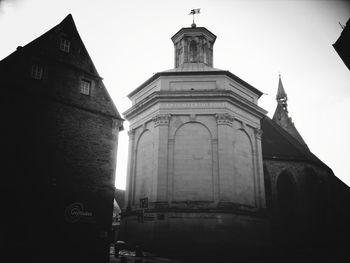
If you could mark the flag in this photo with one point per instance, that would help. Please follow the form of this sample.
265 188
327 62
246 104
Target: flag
195 11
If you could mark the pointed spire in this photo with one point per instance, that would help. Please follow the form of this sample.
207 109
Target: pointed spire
281 114
281 96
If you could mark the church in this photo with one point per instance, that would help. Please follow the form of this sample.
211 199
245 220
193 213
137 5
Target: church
209 173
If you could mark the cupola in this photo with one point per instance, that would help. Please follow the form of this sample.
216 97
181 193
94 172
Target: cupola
193 45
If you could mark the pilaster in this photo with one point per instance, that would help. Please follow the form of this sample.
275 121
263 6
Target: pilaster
259 169
161 131
130 169
224 124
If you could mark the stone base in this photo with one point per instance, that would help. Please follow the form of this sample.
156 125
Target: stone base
193 233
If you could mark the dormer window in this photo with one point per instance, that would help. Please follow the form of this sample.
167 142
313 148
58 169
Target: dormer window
85 87
37 71
65 45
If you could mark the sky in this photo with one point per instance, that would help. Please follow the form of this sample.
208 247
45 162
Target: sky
129 41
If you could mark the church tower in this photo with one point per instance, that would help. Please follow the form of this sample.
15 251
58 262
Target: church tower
195 171
281 114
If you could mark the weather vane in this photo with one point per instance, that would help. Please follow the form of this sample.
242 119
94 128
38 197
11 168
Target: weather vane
193 12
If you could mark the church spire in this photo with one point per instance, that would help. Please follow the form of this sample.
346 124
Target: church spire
281 114
281 96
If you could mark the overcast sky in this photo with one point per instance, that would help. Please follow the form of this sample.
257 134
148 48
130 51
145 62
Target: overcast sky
130 40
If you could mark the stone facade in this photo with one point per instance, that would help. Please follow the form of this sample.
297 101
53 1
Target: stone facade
219 176
195 154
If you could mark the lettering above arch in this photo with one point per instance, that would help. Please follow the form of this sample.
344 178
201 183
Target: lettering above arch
193 163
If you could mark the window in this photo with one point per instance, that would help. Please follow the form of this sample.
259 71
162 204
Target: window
65 45
193 51
85 87
37 71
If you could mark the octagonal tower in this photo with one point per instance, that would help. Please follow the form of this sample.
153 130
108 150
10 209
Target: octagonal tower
195 156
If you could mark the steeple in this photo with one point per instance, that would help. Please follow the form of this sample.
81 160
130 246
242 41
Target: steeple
193 45
281 114
281 96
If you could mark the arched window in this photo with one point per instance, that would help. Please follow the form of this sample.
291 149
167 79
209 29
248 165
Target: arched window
193 51
268 191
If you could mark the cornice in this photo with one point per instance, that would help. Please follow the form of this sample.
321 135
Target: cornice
195 96
196 73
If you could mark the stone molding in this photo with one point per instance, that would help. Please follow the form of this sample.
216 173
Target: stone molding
193 117
258 133
131 132
224 119
161 120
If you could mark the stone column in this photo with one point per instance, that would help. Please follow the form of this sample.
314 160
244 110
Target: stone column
259 169
161 131
130 170
224 123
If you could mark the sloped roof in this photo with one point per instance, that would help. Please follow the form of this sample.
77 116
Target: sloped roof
281 114
283 120
278 144
194 70
66 26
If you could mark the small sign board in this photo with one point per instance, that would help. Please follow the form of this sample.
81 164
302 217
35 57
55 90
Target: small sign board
144 202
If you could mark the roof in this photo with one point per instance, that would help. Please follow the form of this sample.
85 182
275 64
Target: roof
280 91
193 30
281 114
196 69
278 144
44 46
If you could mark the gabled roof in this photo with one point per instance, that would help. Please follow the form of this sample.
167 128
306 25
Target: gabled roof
45 46
278 144
284 121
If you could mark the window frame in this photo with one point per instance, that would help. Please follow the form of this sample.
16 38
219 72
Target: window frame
85 90
65 44
37 71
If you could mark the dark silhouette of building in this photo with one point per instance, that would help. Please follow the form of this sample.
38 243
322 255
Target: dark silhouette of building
307 204
342 45
59 137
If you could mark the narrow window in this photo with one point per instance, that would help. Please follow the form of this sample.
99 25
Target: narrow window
37 71
65 45
193 51
85 87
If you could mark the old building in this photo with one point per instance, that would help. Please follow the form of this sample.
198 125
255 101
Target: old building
210 174
59 139
342 44
195 155
307 204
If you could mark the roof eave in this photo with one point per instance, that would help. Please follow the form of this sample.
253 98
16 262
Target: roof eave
186 73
